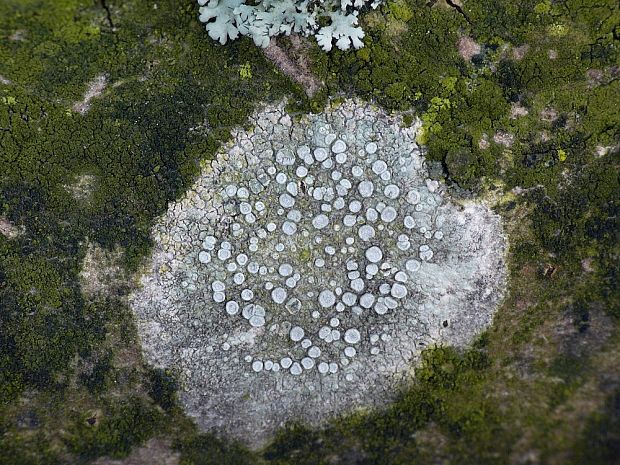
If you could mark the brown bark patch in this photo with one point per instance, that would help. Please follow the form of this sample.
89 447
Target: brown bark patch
468 48
293 63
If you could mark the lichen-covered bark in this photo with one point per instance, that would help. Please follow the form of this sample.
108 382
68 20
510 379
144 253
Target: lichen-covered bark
539 387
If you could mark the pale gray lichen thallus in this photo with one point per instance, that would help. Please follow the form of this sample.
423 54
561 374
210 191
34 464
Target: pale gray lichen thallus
310 267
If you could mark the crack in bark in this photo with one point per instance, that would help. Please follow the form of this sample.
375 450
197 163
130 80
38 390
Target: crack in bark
459 9
455 6
108 14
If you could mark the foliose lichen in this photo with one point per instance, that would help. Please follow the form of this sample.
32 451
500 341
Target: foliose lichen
328 20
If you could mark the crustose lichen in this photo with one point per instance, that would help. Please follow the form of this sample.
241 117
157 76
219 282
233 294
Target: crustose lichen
304 274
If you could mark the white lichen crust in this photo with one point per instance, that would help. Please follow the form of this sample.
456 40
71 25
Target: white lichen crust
307 268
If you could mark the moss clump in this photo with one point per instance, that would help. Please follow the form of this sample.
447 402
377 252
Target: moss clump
245 71
206 449
163 388
44 321
400 10
121 426
543 7
600 441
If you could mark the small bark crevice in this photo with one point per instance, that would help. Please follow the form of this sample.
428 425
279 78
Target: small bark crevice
108 14
458 8
454 5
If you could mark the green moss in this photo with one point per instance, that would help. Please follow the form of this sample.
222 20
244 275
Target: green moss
363 54
462 165
163 388
27 449
509 21
543 7
431 124
122 426
205 449
44 319
557 30
400 10
95 377
245 71
599 444
562 155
